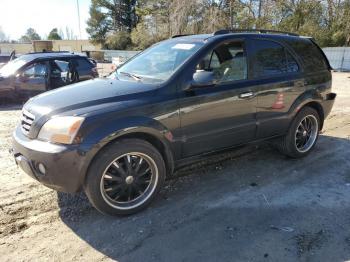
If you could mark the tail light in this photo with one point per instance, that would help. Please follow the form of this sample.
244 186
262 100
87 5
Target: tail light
94 71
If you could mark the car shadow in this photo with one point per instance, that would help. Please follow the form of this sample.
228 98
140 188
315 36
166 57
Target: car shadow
246 204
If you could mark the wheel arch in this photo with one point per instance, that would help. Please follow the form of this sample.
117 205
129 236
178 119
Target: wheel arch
159 143
308 99
314 104
154 137
317 106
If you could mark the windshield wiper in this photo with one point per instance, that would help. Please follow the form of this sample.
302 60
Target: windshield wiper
137 78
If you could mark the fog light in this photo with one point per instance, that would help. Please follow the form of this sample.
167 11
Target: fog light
41 168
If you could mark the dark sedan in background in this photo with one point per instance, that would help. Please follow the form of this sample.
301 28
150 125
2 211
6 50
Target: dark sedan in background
5 58
34 73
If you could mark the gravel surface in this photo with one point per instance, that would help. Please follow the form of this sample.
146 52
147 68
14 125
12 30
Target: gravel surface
247 205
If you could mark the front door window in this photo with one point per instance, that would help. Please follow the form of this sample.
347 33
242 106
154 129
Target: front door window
37 70
228 62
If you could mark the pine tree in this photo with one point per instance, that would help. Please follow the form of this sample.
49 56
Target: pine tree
110 16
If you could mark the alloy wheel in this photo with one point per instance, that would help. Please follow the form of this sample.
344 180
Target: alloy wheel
129 180
306 133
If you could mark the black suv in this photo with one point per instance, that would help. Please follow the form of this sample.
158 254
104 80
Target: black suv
34 73
119 137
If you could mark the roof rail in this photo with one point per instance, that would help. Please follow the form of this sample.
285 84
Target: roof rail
48 52
260 31
174 36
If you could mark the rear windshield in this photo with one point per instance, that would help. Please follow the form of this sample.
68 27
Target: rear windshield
310 54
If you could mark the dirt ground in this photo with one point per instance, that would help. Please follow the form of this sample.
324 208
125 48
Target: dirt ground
248 205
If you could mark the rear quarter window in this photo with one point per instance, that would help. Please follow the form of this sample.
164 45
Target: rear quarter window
309 54
80 63
83 63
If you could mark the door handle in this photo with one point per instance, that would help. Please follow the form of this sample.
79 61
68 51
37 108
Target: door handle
246 95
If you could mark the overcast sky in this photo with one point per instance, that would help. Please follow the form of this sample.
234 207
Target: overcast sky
42 15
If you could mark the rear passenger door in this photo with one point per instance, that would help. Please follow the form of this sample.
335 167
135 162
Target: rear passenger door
278 81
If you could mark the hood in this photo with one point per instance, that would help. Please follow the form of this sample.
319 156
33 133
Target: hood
85 94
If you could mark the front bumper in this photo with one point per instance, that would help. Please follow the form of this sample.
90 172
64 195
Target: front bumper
65 165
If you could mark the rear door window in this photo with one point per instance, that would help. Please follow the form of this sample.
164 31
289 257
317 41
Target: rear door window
292 65
272 59
59 66
309 53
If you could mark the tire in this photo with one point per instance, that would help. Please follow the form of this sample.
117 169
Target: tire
290 145
118 182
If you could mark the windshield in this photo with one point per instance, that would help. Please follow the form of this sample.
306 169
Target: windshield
11 67
158 63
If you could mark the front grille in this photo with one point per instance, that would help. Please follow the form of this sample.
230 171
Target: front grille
27 120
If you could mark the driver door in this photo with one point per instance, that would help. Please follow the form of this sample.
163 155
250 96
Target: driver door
223 115
32 80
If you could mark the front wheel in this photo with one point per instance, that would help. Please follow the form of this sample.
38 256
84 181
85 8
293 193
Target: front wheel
302 134
125 177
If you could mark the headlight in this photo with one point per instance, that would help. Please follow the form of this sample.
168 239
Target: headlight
61 129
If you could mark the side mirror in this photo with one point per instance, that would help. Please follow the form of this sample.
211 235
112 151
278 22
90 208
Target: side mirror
22 78
203 78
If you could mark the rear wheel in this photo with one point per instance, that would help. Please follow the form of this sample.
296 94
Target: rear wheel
302 134
125 177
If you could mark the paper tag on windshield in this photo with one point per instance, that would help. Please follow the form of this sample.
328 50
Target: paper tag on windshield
183 46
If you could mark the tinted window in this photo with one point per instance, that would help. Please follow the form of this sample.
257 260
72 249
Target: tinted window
272 59
292 65
80 63
83 63
59 66
309 53
36 70
227 61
